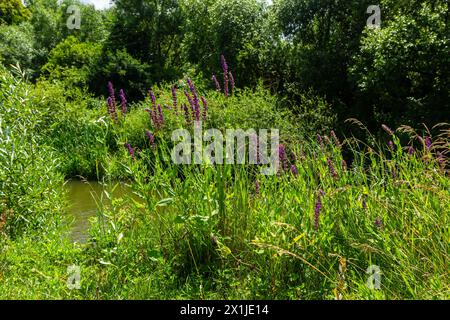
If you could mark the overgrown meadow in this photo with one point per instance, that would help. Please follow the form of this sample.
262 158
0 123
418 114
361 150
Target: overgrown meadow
337 207
359 91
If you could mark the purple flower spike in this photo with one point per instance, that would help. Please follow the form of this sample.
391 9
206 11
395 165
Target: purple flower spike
189 98
387 129
420 139
216 83
187 115
123 102
111 101
111 91
152 98
335 138
151 138
225 75
294 170
344 165
232 82
160 116
282 155
257 188
320 140
196 105
391 145
379 223
317 210
153 118
428 143
332 169
205 108
411 150
175 99
130 151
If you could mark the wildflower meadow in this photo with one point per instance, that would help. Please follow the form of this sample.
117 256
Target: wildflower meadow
230 150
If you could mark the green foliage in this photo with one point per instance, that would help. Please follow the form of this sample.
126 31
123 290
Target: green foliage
402 69
150 32
73 61
13 12
125 71
17 45
30 184
49 21
236 29
324 35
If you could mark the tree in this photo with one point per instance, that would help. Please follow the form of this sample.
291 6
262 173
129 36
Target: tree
149 31
320 37
402 71
234 28
72 61
13 12
17 45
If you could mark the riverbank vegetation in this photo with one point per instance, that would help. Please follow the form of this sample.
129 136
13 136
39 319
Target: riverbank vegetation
363 183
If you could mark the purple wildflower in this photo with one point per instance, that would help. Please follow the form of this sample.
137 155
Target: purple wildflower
196 105
294 170
112 92
428 143
186 113
387 129
318 209
123 102
205 108
217 84
189 98
320 140
391 145
332 168
111 108
378 223
160 116
411 150
151 138
130 151
175 99
336 139
257 188
225 75
153 117
112 101
232 82
394 173
152 98
344 165
421 140
282 155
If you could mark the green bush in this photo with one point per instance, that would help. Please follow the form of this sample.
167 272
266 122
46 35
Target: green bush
30 184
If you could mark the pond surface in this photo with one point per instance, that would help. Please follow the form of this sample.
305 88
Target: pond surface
84 198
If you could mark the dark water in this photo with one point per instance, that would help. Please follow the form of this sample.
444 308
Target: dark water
84 199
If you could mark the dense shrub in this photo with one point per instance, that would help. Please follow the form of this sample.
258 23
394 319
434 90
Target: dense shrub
30 184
